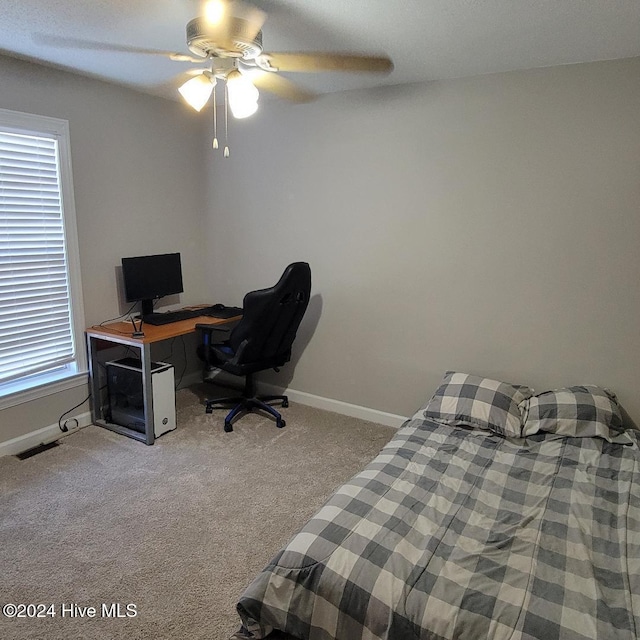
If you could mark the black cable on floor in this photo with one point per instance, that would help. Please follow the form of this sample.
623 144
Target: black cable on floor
63 427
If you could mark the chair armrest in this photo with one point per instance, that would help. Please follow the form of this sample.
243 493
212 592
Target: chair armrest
208 341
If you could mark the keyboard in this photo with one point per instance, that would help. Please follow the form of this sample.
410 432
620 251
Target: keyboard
186 314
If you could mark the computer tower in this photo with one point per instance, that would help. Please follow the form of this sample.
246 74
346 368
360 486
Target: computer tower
126 400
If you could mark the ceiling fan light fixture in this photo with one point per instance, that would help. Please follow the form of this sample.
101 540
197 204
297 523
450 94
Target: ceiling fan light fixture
197 90
242 109
243 95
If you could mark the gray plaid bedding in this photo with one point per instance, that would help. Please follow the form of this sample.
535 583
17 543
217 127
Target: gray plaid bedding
458 533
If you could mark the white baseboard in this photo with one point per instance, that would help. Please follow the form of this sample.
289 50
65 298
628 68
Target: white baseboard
311 400
44 435
337 406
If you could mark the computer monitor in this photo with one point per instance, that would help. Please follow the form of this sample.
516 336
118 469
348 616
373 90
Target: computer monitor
149 277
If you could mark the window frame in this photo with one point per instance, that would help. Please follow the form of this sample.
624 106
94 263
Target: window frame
74 374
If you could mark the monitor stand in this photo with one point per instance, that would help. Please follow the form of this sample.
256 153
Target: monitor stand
146 308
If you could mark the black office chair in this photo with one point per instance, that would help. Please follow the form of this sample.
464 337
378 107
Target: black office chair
261 340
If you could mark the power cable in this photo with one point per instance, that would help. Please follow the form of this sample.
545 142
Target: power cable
63 427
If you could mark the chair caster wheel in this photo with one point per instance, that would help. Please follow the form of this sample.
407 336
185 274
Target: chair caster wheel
285 404
280 424
208 410
228 427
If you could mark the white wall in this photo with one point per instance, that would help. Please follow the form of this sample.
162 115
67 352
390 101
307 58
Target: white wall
489 225
138 190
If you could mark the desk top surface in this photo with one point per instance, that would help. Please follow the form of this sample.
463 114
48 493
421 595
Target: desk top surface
123 331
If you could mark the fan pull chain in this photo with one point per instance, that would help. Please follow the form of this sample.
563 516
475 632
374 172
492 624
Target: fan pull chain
225 153
215 120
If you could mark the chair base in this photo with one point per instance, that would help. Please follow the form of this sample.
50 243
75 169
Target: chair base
247 403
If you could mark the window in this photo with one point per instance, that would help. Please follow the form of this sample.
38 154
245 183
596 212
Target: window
41 315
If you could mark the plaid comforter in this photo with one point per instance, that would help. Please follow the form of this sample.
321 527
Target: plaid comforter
457 533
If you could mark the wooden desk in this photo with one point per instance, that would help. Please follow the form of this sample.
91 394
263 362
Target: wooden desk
121 333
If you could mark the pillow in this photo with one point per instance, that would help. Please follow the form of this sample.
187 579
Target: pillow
463 399
581 412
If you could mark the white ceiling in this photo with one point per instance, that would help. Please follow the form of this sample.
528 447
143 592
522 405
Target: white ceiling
426 39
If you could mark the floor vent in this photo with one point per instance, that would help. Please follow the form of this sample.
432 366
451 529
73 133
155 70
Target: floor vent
29 453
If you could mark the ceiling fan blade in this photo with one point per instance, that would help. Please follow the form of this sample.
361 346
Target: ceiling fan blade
279 86
251 17
312 62
78 43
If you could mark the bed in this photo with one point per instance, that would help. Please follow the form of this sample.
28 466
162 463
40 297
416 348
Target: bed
494 513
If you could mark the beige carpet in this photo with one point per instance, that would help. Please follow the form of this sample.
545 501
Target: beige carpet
178 529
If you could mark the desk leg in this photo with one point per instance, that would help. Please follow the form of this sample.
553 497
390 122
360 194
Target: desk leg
97 416
94 379
147 391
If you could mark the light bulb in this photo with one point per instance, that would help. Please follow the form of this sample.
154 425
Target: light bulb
214 12
197 91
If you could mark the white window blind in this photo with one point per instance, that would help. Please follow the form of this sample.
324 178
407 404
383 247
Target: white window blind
35 309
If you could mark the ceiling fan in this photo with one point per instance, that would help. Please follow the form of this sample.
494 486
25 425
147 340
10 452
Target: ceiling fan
230 30
227 36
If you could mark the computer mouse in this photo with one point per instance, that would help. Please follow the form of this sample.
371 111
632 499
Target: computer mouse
218 307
